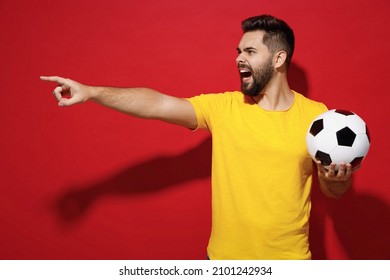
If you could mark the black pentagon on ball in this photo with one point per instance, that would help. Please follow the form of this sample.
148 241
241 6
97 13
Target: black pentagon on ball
356 161
345 137
316 127
323 157
344 112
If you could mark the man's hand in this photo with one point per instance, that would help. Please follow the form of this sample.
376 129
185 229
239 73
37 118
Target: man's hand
335 183
68 92
342 174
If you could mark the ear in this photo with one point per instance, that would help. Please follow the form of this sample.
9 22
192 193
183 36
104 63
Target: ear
280 58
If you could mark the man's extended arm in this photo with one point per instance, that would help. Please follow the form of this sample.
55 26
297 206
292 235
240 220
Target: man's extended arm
139 102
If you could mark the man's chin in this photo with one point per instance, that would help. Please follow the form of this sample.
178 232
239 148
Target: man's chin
249 91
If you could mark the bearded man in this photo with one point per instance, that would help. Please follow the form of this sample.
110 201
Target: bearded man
262 172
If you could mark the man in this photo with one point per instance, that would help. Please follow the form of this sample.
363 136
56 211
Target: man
261 173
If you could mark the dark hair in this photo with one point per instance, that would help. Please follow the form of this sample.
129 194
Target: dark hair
278 35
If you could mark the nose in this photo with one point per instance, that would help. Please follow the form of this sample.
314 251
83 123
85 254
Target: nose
240 58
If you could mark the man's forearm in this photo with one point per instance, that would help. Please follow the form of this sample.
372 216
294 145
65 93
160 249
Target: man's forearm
334 189
138 102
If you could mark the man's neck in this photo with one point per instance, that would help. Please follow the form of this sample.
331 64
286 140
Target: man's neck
276 96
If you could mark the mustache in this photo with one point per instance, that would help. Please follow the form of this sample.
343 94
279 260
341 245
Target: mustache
244 66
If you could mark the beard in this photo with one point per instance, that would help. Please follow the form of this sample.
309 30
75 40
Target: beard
260 76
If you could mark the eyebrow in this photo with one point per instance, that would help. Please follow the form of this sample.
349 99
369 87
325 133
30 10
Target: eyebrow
246 49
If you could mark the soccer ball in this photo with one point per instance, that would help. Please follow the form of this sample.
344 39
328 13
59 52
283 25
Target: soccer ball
338 136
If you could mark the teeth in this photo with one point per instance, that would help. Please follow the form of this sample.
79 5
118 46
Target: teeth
244 73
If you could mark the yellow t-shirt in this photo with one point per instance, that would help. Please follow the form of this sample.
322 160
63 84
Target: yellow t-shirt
261 176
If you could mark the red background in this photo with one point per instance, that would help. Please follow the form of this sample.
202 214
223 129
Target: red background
89 183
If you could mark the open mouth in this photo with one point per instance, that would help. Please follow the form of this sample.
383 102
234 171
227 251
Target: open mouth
245 74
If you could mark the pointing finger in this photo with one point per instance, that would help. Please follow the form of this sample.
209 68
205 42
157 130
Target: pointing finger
59 80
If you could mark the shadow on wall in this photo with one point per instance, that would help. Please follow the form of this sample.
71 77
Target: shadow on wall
360 222
138 179
297 79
